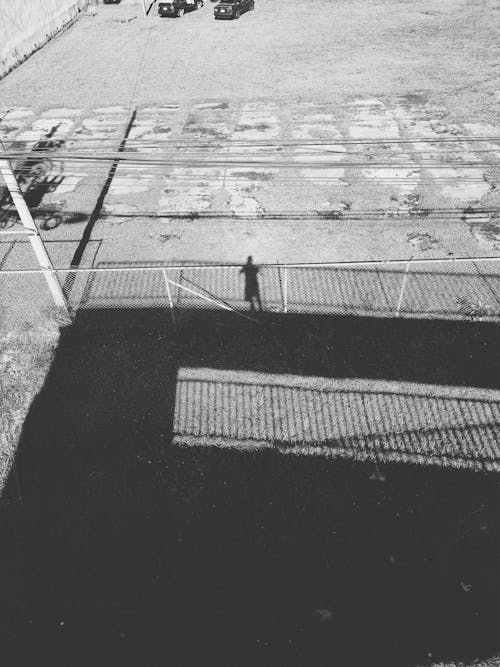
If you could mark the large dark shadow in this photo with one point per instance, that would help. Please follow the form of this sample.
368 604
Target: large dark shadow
128 550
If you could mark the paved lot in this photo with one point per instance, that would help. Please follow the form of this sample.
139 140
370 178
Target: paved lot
279 75
315 50
415 202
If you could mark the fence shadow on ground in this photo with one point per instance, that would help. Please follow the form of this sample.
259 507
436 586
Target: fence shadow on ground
128 550
358 419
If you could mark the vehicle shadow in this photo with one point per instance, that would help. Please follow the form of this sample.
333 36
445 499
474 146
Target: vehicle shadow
123 548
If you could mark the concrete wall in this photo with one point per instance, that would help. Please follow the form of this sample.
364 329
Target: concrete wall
25 25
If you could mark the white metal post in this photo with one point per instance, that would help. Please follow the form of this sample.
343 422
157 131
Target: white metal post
144 10
34 236
401 294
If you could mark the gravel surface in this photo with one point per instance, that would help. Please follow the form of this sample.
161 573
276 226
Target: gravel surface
310 71
315 50
280 213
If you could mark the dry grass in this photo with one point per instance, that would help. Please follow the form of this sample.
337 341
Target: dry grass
25 358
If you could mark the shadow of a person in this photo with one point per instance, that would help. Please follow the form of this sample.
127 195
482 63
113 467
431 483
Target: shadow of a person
252 292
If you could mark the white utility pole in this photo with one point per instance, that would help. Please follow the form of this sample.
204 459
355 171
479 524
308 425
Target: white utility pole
145 11
34 236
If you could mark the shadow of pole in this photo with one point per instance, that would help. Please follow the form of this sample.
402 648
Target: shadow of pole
94 216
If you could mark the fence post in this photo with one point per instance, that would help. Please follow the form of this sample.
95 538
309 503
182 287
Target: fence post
34 236
179 289
403 285
283 285
169 293
285 289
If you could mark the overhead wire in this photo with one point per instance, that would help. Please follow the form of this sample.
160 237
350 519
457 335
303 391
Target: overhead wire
331 141
291 214
173 178
208 127
298 154
125 181
68 163
245 161
251 170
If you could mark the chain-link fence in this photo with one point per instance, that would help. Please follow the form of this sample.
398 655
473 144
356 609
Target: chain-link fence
463 289
369 419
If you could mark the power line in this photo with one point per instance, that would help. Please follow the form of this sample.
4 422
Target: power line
363 214
227 160
397 158
179 182
333 141
239 165
129 178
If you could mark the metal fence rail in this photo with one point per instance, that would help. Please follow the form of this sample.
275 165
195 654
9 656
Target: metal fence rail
463 288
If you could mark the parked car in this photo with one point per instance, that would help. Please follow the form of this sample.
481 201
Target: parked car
232 9
179 7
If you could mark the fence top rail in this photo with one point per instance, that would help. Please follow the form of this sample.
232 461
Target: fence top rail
282 265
